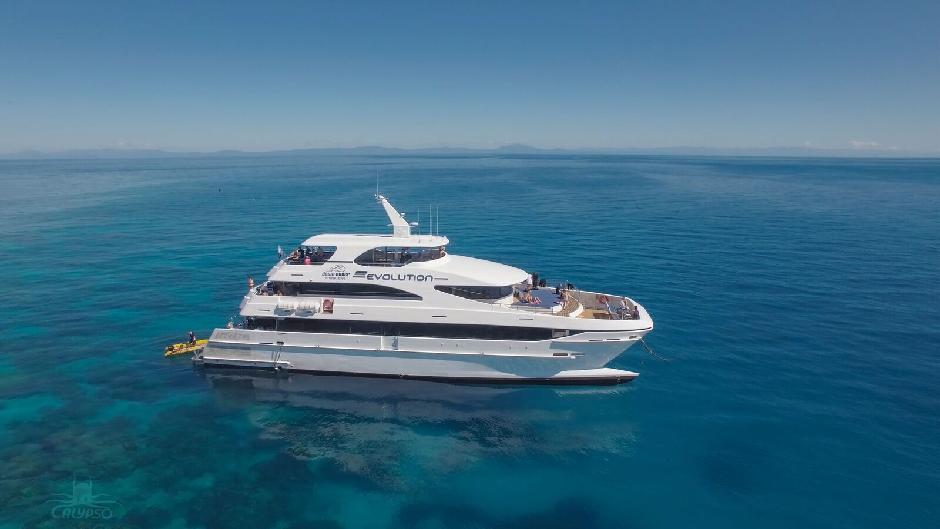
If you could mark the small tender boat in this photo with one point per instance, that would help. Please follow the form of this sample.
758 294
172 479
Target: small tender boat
184 348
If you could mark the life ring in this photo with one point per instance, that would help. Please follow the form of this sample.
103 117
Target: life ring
602 299
328 305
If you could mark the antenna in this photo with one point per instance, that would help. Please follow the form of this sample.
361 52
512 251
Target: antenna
437 222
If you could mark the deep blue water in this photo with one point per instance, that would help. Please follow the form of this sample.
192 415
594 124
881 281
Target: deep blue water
797 299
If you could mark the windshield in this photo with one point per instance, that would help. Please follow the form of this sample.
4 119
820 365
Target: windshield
399 255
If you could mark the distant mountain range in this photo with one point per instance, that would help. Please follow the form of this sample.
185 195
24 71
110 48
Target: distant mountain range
512 149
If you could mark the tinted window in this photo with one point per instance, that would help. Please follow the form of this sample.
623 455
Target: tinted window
397 256
430 330
354 290
488 293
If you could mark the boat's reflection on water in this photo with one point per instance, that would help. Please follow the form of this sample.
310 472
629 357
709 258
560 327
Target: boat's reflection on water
375 427
362 396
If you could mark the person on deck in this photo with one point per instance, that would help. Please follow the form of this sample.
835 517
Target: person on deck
623 311
525 294
192 338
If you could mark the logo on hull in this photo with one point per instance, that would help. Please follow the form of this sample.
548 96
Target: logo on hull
336 272
362 274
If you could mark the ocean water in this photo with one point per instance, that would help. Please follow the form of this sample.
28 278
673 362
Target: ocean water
796 299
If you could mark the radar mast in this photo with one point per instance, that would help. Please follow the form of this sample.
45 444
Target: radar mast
400 227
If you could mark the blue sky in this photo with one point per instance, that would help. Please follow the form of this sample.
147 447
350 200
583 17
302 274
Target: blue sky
270 75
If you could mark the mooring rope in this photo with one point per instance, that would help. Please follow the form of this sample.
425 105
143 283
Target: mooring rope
653 353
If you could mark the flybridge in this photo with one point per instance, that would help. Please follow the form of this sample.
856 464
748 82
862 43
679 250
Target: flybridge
351 245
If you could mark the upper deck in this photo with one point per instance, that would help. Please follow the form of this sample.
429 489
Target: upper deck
400 276
368 240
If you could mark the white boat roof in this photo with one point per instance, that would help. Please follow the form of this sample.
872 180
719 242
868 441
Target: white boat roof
472 271
367 241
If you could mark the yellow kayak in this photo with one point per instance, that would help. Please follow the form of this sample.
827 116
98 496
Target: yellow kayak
184 348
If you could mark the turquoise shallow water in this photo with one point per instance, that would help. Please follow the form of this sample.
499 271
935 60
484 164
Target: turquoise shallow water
797 300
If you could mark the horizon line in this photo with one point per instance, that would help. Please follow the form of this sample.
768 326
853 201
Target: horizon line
511 148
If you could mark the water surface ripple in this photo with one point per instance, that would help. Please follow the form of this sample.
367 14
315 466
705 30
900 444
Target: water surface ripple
797 299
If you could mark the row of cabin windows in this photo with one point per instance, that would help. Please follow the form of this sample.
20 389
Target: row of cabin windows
372 290
381 256
351 290
427 330
398 255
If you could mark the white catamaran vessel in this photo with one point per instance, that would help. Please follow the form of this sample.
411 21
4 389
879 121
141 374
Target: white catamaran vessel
399 305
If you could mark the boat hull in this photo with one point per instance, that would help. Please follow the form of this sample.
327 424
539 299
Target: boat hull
561 361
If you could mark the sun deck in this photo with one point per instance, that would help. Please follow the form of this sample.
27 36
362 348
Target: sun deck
577 304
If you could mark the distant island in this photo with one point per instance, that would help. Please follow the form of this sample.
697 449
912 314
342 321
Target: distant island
510 149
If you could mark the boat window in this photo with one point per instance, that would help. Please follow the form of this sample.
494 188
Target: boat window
399 255
353 290
476 292
311 255
417 330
